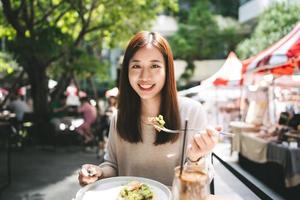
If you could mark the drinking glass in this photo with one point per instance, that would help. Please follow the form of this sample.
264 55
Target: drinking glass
191 185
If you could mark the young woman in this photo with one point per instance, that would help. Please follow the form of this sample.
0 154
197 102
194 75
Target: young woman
148 89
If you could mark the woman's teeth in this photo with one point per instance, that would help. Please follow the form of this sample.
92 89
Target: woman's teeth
146 86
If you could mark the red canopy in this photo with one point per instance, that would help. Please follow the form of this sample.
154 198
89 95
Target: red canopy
281 58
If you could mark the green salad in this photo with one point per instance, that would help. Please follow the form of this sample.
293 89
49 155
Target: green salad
158 122
136 191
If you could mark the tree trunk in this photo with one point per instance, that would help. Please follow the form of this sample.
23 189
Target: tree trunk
95 93
39 92
61 86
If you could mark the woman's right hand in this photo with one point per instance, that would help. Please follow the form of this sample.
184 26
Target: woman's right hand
89 174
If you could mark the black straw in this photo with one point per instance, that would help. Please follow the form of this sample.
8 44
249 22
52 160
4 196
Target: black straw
183 147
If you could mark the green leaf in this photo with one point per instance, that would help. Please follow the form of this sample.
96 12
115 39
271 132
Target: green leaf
273 24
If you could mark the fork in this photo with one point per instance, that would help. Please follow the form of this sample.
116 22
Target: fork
189 129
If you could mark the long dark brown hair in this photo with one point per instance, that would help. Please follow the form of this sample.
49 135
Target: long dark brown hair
129 105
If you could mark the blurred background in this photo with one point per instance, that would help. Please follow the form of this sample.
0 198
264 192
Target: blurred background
240 59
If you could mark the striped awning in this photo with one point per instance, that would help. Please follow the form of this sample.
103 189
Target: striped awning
281 58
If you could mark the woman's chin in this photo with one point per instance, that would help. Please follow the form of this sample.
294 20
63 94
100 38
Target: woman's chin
148 96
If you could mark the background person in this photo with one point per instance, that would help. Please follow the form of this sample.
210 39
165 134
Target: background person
89 113
112 106
18 106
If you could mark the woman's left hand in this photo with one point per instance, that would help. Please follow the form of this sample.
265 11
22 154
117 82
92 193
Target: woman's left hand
203 143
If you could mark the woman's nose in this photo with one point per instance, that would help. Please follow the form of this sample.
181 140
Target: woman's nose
145 74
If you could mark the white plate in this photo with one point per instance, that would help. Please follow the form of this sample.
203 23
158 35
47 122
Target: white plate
109 188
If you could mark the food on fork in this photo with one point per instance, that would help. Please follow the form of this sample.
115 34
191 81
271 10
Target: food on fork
135 190
158 122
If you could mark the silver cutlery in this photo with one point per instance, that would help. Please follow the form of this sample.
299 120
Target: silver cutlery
189 129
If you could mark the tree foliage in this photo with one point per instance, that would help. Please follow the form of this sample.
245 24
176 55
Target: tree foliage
228 8
204 36
7 64
273 24
52 27
192 39
40 32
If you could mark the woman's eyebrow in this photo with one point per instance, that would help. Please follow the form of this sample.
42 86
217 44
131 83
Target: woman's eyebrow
135 61
158 61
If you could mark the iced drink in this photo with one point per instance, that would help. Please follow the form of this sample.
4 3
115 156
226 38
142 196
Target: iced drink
191 185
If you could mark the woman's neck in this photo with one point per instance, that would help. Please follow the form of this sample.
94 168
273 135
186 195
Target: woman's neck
150 107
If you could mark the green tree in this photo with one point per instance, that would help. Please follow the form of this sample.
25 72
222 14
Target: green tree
82 65
7 64
229 8
193 39
202 36
275 22
42 31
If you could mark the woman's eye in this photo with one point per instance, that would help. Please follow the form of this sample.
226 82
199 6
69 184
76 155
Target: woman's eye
135 66
155 66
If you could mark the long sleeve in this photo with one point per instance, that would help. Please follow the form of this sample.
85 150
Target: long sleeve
197 119
110 166
205 162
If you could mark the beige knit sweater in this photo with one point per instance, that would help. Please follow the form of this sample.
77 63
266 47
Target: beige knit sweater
145 159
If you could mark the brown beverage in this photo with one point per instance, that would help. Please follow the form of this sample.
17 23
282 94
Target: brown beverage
191 185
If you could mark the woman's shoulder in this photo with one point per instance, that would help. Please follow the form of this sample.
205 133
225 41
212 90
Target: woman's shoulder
188 103
192 110
190 107
113 125
114 117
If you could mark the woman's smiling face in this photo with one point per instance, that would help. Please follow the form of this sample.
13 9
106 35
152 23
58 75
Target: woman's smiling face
147 72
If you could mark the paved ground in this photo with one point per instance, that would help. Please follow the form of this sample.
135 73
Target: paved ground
46 174
51 174
226 184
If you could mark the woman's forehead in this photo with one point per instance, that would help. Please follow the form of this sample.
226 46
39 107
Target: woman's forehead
148 53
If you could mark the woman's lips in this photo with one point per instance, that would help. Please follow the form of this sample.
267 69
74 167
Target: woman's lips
146 87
